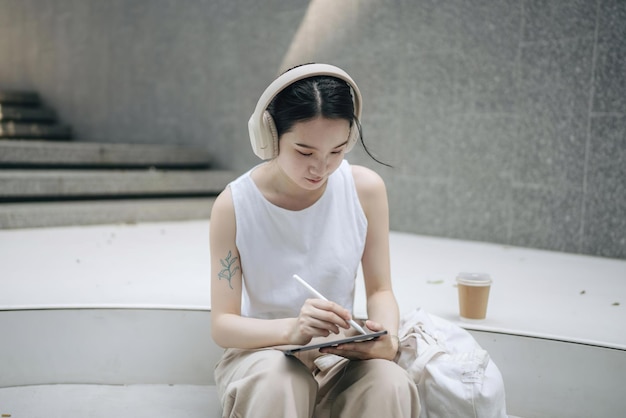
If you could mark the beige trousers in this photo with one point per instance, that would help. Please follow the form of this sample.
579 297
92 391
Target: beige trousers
266 383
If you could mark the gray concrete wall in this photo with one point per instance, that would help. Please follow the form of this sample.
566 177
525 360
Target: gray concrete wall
505 120
149 71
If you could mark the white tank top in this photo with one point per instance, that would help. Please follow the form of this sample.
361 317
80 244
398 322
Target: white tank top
323 244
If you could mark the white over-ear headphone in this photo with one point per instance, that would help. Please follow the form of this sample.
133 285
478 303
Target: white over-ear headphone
261 127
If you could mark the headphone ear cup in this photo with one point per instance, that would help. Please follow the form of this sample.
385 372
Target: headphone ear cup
271 134
263 136
353 138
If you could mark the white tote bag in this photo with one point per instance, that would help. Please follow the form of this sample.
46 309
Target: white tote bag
455 377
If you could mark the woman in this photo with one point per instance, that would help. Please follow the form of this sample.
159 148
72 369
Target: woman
305 211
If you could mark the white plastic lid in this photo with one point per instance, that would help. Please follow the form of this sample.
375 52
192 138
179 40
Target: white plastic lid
474 279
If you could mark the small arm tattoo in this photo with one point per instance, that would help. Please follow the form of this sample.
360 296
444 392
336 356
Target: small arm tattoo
229 270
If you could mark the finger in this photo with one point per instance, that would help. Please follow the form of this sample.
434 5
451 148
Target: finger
330 312
331 307
324 325
350 354
354 347
312 326
319 318
326 320
360 347
373 325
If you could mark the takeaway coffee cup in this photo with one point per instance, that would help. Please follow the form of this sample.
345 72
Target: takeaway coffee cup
473 295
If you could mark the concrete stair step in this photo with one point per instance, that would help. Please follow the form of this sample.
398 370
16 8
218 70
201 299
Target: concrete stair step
23 116
21 98
62 183
55 214
20 185
26 114
34 130
83 154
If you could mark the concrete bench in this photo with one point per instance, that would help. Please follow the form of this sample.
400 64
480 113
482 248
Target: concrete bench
107 321
555 326
115 320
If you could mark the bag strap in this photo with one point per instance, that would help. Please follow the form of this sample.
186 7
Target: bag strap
432 349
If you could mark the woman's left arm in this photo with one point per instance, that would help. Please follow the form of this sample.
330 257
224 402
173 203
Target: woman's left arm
382 308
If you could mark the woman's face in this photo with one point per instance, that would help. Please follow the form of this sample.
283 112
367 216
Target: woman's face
312 150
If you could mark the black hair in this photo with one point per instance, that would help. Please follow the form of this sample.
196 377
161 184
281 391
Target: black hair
306 99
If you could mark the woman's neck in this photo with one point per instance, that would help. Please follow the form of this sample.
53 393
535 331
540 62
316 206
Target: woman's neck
281 191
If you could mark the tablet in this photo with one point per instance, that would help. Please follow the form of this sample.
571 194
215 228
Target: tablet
292 349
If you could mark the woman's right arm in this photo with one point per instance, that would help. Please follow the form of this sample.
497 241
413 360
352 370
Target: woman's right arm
231 330
228 328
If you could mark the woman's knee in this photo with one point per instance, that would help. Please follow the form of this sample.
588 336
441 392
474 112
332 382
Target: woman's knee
269 384
375 388
387 377
287 371
271 370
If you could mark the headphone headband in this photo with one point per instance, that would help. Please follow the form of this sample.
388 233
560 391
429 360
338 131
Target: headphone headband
261 127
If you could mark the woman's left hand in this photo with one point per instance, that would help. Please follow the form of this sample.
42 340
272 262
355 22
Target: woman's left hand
384 347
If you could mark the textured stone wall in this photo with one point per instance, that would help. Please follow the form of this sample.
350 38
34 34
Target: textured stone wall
149 71
505 120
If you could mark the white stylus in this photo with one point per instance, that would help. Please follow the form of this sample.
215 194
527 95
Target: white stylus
320 296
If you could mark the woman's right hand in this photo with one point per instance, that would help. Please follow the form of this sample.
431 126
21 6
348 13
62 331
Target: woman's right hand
318 318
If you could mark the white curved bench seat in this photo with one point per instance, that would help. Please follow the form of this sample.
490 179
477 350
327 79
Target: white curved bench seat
535 293
125 309
105 401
